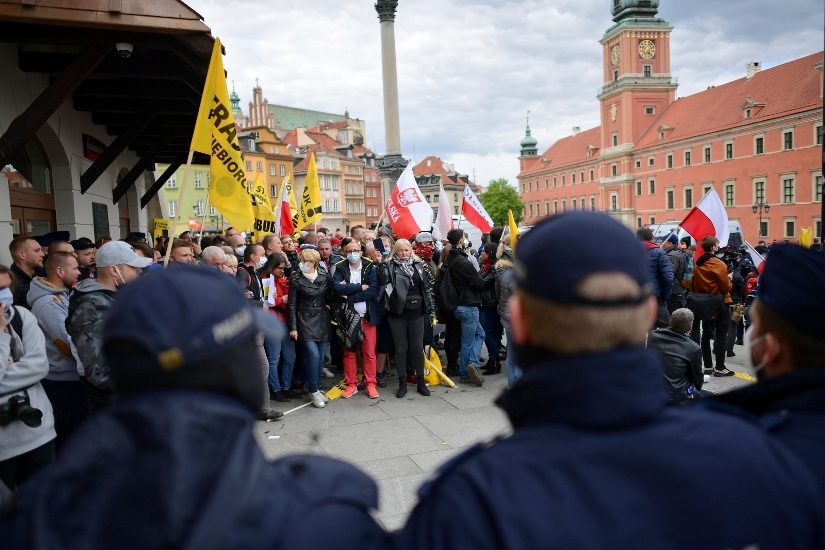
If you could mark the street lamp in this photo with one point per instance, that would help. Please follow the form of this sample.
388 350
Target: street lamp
757 209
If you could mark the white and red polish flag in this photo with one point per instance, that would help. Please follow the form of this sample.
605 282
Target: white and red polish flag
407 211
444 218
283 215
756 257
474 213
708 217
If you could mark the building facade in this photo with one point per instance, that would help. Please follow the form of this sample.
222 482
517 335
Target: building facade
431 173
756 141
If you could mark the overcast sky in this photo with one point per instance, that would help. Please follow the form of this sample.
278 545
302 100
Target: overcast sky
469 70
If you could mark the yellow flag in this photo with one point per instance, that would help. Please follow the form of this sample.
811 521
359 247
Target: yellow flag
513 230
215 136
310 210
806 237
264 216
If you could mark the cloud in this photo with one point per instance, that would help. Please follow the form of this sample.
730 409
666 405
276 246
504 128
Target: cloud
469 70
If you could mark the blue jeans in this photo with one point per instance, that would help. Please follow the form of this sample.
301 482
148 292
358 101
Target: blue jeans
314 353
472 337
274 349
514 372
488 317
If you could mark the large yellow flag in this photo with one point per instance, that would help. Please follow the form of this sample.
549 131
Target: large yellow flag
264 216
310 210
513 230
215 136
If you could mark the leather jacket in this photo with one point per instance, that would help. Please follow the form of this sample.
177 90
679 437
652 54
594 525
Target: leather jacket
681 362
394 304
307 309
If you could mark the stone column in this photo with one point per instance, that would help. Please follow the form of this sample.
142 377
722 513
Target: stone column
392 164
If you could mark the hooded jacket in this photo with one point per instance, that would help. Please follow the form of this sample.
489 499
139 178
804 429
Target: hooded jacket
88 309
661 271
50 305
505 284
710 276
24 374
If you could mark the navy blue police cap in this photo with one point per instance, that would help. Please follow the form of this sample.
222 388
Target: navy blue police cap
49 238
793 285
183 316
554 257
79 245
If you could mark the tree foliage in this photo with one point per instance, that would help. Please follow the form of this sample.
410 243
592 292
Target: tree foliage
499 198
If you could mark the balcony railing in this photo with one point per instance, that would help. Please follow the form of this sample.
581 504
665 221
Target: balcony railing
632 80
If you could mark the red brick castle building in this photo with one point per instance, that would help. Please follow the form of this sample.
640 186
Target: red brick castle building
756 140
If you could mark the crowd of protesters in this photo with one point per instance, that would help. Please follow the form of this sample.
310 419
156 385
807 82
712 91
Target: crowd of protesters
368 307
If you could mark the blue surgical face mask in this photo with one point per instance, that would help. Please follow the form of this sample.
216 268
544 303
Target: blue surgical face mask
6 297
354 257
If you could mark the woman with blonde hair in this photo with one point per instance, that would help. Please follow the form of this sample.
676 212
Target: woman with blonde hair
231 265
310 292
408 304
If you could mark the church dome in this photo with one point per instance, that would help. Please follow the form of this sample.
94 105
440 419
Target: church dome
529 144
625 9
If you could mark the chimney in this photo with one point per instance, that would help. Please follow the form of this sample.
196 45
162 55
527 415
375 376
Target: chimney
753 68
576 130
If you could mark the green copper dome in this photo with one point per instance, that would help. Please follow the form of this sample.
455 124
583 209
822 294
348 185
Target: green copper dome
235 101
625 9
528 144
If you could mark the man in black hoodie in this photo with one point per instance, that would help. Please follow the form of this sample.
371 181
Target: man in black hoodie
468 285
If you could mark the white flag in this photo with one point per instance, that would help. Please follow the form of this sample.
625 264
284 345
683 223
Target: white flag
444 218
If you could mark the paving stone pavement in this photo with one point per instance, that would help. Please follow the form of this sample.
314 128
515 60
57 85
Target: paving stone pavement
400 443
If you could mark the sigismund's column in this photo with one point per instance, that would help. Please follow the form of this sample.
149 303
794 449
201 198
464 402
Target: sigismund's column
392 164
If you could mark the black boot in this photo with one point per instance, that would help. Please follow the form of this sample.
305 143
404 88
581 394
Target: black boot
402 389
422 388
492 367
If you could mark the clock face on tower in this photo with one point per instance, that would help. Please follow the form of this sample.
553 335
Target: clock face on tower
647 49
615 54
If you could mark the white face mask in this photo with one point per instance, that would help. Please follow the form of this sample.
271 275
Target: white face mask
749 342
122 280
261 263
6 297
240 250
303 267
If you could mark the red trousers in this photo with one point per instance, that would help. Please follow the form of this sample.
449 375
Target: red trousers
367 353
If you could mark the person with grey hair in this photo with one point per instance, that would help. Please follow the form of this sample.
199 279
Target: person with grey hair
213 256
681 358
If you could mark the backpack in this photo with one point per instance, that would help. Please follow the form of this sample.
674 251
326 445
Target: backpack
687 278
446 297
17 323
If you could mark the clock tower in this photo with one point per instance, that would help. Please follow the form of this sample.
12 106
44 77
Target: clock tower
638 85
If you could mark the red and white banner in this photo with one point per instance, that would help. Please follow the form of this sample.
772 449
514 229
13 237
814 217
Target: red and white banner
708 217
407 211
194 224
474 213
283 214
756 257
444 218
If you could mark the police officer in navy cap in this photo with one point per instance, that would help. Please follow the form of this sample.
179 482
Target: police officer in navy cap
174 463
785 350
596 459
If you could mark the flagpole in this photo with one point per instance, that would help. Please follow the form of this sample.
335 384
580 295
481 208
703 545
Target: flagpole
671 233
461 215
177 218
203 218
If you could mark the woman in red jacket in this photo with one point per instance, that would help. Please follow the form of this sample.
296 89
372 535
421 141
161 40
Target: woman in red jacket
279 383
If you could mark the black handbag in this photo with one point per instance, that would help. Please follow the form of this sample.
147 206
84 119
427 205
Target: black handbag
706 307
349 331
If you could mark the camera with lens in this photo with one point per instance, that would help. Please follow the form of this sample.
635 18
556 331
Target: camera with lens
19 407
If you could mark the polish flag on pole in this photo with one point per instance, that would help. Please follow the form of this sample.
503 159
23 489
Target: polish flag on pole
407 211
283 214
708 217
756 257
474 213
444 218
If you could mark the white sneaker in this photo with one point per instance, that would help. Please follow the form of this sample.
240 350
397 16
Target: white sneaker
326 373
326 399
318 400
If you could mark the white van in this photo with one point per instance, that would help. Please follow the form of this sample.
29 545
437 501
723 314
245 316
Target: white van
663 230
460 222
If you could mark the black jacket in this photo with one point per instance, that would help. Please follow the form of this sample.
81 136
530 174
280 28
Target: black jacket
307 309
737 292
681 361
489 298
249 280
678 262
394 304
292 263
21 287
466 280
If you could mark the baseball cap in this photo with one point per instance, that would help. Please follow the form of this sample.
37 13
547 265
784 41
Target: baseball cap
560 252
673 239
793 285
120 253
424 237
165 313
334 241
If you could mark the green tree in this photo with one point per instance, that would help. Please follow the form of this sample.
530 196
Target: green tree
499 198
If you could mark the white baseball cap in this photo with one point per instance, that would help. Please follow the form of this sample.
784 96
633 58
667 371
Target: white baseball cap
120 253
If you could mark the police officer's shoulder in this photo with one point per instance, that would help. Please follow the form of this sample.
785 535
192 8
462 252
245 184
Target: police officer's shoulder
451 467
309 476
